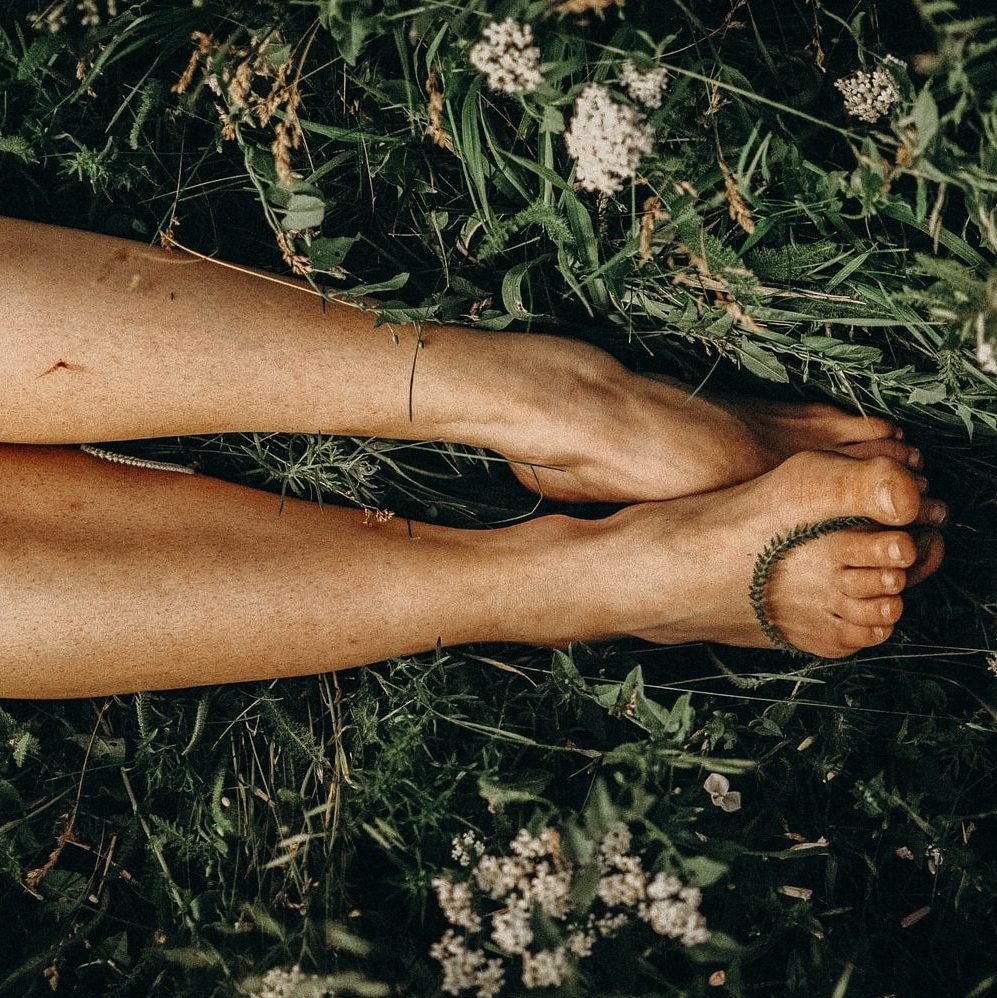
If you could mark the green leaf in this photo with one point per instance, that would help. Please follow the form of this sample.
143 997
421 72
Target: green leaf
304 211
762 362
565 675
328 254
828 346
392 284
553 120
512 290
925 114
526 787
105 748
701 871
928 395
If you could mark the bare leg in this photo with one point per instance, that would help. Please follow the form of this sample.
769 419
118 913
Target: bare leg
102 339
119 579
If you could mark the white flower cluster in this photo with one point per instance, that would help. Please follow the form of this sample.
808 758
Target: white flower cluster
282 982
986 357
868 96
645 88
466 848
673 910
606 140
535 876
467 969
508 57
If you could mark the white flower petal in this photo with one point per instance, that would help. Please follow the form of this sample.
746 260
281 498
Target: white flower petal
716 784
731 801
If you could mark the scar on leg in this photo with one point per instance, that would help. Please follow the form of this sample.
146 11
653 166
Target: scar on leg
63 365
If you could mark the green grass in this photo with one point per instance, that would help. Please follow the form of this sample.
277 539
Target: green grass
218 833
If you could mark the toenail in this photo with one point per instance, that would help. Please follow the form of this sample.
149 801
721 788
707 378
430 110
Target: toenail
886 610
887 499
922 483
880 632
899 433
891 580
895 551
938 512
914 458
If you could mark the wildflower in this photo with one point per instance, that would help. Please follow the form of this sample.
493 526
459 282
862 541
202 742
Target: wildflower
466 848
718 787
581 941
455 900
663 886
511 930
986 357
466 968
550 890
547 843
868 96
615 843
674 910
904 853
283 982
499 876
625 887
508 57
609 925
645 88
606 140
547 968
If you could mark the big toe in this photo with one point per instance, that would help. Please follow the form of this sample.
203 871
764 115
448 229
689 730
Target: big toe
832 485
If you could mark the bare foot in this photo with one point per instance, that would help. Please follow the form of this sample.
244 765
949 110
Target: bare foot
620 437
680 570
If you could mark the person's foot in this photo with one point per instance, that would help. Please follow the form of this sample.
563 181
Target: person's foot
620 437
680 570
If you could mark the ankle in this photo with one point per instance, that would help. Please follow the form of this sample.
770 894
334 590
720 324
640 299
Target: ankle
555 585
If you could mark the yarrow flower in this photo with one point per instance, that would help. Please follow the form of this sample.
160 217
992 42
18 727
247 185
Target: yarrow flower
465 968
508 57
606 140
466 848
645 88
868 96
538 877
673 911
282 982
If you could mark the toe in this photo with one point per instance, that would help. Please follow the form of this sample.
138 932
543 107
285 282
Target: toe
856 637
932 511
930 554
863 583
835 485
885 447
881 549
890 493
877 612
